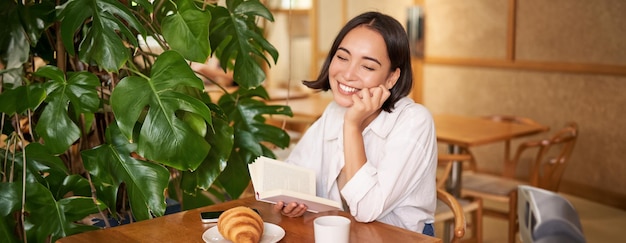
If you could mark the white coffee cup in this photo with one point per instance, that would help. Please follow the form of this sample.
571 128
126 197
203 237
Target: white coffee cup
332 229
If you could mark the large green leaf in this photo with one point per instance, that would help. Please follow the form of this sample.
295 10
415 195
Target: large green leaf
10 21
46 175
7 224
221 140
189 27
111 164
14 48
41 166
10 202
10 198
101 43
235 178
236 38
22 26
250 8
46 169
74 184
54 219
20 99
36 18
164 137
55 125
79 88
145 4
247 112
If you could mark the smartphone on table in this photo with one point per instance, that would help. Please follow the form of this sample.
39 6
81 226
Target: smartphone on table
212 216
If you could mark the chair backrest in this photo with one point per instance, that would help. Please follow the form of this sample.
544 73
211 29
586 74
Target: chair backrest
457 210
510 119
551 157
545 216
445 161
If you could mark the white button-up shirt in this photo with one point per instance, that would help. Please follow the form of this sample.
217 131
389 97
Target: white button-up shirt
396 185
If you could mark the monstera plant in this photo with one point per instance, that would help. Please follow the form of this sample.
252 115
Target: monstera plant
94 123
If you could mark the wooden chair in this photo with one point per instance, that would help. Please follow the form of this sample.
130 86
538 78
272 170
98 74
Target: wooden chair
507 143
454 210
449 207
545 171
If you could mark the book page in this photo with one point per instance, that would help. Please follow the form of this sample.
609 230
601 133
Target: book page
272 174
276 181
314 204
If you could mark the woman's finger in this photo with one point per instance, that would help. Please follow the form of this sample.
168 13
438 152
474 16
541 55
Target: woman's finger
278 207
293 210
377 93
385 93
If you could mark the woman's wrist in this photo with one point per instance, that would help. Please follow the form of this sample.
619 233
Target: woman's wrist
352 127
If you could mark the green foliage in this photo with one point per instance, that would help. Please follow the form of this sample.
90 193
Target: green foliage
111 164
109 127
49 211
189 27
238 38
21 99
55 218
22 26
55 125
100 42
164 136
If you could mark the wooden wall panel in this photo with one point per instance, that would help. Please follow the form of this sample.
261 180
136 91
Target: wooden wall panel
462 29
569 65
572 31
398 9
330 21
594 101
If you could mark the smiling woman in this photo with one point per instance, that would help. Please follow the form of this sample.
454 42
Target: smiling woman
361 62
353 147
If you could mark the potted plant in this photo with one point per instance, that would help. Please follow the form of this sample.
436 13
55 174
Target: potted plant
107 127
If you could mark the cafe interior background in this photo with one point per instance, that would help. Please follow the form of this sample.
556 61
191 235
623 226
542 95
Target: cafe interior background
552 61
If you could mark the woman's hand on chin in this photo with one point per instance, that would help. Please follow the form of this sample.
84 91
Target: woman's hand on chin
366 102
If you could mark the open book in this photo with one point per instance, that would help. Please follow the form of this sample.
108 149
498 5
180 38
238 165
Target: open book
276 181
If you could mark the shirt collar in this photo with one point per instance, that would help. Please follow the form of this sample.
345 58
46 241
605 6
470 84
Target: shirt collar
381 126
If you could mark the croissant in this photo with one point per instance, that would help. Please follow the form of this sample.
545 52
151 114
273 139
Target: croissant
240 225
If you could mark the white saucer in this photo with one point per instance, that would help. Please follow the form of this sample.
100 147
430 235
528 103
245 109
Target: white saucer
272 233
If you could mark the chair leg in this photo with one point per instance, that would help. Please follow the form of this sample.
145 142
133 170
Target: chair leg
513 226
478 221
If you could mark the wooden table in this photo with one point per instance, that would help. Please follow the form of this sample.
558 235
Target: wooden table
186 227
466 131
462 132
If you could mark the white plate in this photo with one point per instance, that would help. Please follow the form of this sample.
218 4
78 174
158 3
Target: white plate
272 233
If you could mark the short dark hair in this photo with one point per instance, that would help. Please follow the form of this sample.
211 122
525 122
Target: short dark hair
398 50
